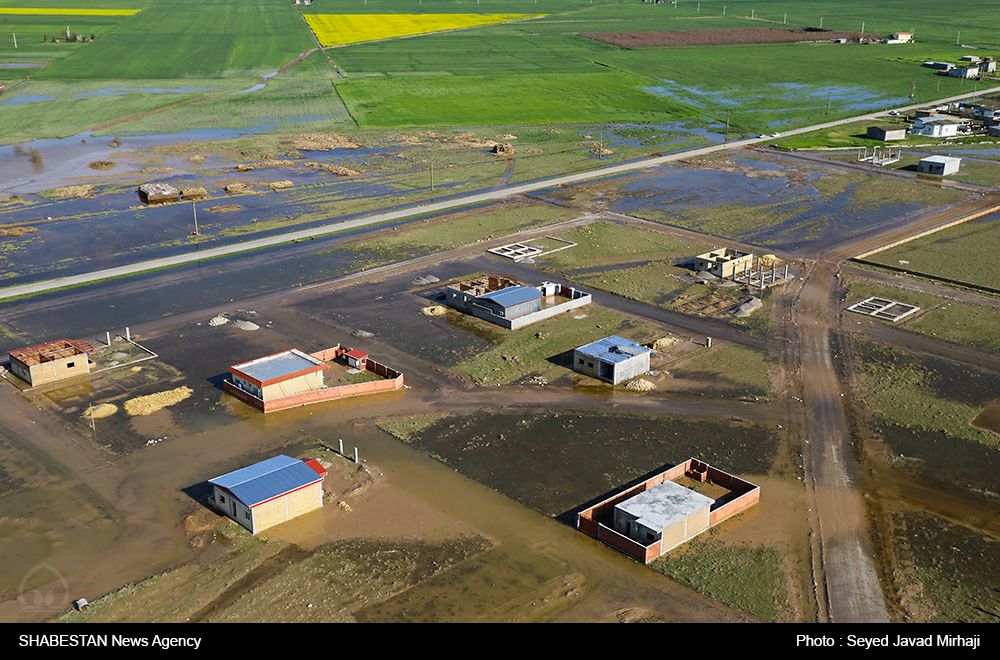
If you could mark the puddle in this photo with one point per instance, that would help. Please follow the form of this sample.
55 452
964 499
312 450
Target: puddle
27 98
123 91
21 65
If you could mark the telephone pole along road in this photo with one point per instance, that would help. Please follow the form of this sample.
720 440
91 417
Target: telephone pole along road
425 209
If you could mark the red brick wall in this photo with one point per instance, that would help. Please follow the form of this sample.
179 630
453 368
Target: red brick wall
334 393
242 396
730 509
626 545
328 354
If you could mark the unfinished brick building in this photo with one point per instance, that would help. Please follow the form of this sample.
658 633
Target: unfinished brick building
657 515
51 361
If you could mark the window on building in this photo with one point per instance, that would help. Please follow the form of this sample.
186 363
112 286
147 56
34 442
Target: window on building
246 514
650 537
590 364
580 360
222 498
70 365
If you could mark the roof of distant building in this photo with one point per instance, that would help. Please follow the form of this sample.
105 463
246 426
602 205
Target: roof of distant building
662 506
512 295
271 478
613 349
52 350
943 160
278 367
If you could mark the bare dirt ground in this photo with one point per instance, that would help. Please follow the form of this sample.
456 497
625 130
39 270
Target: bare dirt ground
731 36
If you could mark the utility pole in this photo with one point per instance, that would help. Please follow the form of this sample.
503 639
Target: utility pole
820 22
862 27
194 209
432 179
958 38
727 125
14 34
753 13
829 101
723 10
913 89
600 146
784 19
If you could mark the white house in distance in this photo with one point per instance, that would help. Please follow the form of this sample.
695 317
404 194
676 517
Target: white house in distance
938 127
940 165
269 493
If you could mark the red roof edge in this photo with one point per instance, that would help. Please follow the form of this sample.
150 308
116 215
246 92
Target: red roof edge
316 466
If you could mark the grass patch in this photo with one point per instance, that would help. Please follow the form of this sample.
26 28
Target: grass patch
951 566
957 322
405 428
739 364
537 348
964 252
610 244
451 231
746 577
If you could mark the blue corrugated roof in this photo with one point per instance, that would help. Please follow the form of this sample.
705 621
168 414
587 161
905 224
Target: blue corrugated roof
513 295
613 349
268 479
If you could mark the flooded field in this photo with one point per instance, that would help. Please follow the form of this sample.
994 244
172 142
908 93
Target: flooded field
766 199
556 462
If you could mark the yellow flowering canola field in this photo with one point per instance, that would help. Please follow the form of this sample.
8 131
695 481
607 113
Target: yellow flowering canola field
59 11
344 29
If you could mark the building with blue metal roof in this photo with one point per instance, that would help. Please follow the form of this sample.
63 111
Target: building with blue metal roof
270 492
512 304
613 359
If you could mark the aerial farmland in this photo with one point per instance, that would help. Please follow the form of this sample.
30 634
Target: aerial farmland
333 311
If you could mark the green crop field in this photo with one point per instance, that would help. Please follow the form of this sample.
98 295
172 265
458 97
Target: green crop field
538 71
960 253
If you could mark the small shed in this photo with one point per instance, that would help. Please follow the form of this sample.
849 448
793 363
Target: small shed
887 133
356 358
270 492
613 359
940 165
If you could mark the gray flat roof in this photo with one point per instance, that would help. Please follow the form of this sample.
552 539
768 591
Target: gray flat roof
664 505
278 365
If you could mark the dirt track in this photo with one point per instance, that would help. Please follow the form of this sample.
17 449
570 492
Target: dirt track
727 37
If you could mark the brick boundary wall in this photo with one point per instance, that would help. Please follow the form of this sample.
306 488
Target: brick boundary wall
589 522
392 381
623 544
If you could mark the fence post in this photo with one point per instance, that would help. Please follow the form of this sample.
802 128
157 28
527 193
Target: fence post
340 442
356 455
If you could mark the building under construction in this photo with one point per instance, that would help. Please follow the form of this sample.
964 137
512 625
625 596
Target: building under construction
51 361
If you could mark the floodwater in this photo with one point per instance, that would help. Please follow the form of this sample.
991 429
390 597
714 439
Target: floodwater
26 98
844 97
138 492
122 91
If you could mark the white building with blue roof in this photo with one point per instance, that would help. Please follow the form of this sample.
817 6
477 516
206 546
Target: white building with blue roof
613 359
270 492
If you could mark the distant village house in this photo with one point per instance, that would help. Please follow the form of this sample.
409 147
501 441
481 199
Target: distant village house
887 133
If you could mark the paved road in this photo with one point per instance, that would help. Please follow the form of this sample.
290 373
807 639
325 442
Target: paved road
423 209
